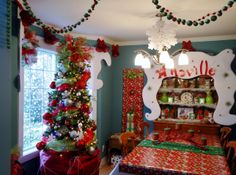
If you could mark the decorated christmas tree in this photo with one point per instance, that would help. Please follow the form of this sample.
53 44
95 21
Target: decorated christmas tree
70 127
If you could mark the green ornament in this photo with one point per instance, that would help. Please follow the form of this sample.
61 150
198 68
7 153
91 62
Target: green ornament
179 20
155 2
162 9
169 16
207 21
213 18
219 13
230 3
183 21
225 8
201 23
195 23
86 15
189 22
158 6
164 14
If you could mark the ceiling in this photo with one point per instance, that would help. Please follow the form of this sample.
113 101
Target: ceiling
125 21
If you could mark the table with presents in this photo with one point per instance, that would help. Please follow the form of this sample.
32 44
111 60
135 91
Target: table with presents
177 153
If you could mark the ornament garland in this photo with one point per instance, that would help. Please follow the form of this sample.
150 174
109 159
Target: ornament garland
206 19
64 29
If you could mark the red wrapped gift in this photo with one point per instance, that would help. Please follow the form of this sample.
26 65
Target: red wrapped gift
69 163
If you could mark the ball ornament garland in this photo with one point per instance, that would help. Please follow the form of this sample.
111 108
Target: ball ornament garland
206 19
64 29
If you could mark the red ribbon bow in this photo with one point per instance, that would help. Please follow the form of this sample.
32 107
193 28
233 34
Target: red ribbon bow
187 45
115 50
101 46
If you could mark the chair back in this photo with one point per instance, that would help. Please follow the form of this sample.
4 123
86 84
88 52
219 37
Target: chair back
225 133
127 142
143 129
231 156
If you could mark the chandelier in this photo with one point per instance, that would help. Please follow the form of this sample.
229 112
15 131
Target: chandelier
161 37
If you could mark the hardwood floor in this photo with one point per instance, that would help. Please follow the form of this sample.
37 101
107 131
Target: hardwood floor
106 169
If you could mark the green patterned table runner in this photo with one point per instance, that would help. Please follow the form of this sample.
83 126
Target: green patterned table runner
183 147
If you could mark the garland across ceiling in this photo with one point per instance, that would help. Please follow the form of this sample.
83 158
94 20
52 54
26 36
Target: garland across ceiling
24 6
206 19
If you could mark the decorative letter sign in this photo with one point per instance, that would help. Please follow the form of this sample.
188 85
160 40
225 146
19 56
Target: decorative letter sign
218 67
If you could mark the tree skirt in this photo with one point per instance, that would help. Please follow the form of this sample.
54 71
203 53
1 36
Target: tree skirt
68 163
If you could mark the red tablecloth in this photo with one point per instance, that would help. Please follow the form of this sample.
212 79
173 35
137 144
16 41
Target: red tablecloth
149 161
69 164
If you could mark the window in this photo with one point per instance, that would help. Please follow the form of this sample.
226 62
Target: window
34 98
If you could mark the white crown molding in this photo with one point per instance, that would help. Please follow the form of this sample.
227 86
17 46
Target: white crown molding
209 38
93 37
193 39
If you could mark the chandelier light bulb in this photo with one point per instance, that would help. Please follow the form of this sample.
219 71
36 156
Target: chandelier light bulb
183 59
139 59
164 56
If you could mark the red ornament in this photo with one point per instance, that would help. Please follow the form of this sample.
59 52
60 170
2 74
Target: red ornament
53 103
63 87
187 45
54 113
80 84
40 145
84 108
80 144
47 116
115 50
86 75
53 85
101 46
89 136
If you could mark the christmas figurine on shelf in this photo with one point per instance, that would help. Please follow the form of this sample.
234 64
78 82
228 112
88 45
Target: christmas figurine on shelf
70 128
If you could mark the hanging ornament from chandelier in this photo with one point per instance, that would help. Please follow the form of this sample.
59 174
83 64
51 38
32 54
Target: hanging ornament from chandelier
161 35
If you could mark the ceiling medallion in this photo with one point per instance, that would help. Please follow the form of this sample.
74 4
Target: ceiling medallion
206 19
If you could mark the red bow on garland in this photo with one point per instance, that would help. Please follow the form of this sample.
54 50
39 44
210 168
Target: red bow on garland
187 45
101 46
115 50
26 18
49 38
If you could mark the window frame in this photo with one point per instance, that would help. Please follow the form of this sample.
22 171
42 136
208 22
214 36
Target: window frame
32 153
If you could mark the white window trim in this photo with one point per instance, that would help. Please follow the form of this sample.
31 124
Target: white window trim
33 153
